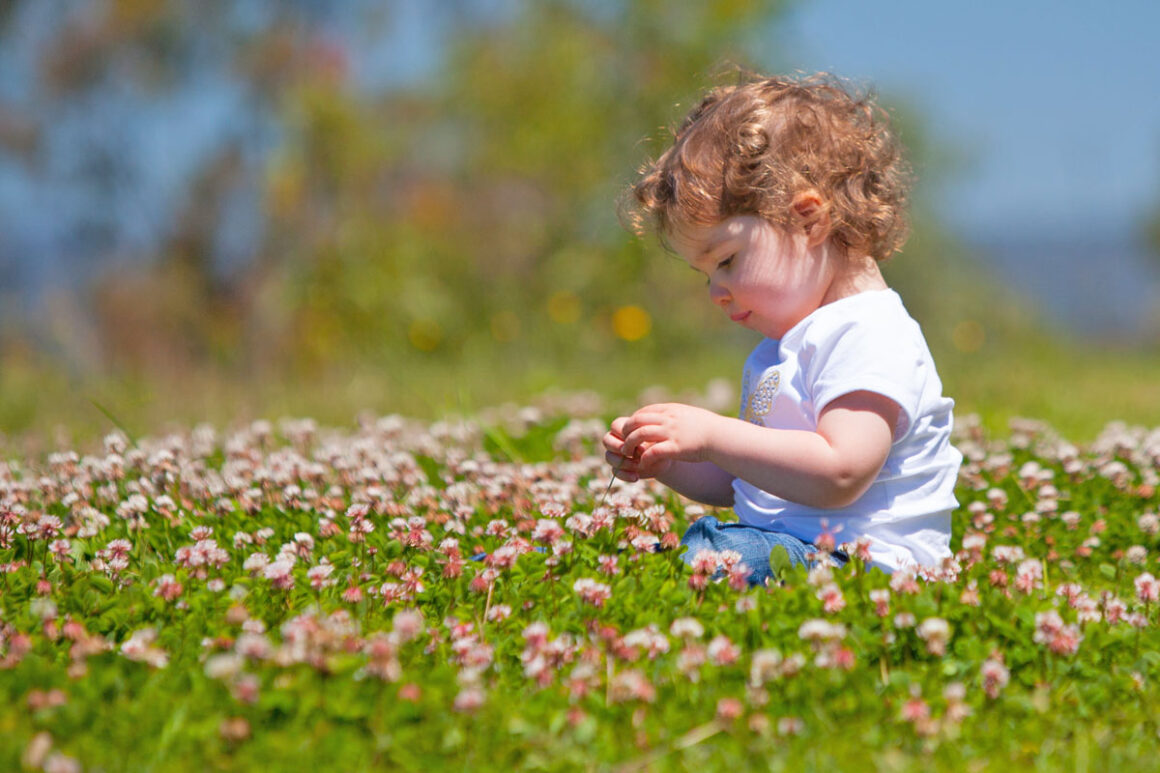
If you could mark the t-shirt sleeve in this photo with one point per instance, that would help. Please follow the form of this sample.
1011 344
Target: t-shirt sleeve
881 356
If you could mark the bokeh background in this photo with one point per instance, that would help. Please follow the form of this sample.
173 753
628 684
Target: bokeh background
219 210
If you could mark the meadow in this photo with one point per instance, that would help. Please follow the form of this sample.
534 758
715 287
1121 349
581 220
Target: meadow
458 593
188 582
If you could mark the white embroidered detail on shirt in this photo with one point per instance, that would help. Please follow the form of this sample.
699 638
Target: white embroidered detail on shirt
760 401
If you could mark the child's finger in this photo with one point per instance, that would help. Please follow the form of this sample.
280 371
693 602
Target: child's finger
613 443
623 468
648 415
658 452
637 439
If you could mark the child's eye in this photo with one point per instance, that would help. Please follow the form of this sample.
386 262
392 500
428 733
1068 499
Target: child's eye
727 262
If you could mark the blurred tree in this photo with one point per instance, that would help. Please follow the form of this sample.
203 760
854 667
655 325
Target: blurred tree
479 209
470 213
146 123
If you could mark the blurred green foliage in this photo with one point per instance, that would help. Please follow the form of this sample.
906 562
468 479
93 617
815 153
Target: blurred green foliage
477 212
455 243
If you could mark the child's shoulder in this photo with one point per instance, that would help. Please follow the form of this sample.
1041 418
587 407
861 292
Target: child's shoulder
870 313
869 332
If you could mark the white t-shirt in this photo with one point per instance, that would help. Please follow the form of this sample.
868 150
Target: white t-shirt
865 342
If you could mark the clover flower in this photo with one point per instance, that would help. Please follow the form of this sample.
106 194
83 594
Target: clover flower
905 620
1149 523
935 632
168 588
119 548
820 574
1007 554
1147 588
547 531
43 608
319 575
1070 592
764 666
705 562
536 634
580 524
820 631
1136 554
47 527
739 576
831 597
407 624
607 565
591 591
687 628
903 581
729 709
382 657
280 573
645 541
973 545
955 694
995 676
722 651
915 710
790 726
139 647
631 685
860 549
498 613
1029 576
1057 636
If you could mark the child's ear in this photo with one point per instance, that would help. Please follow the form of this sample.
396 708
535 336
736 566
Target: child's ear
812 214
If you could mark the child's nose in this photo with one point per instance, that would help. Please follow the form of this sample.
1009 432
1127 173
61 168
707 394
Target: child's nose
718 294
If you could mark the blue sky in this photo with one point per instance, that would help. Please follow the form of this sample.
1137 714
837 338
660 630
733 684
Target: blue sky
1055 104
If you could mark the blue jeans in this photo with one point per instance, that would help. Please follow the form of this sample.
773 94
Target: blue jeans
752 543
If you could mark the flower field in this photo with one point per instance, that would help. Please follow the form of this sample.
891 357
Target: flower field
408 595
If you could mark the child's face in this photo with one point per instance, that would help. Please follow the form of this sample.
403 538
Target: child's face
764 278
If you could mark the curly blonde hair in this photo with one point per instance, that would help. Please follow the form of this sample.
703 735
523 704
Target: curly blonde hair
751 148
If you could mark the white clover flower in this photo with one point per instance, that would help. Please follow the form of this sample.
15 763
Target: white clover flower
821 630
687 628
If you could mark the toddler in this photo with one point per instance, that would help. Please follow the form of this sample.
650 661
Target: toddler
786 194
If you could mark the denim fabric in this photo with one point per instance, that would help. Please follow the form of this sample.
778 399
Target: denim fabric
752 543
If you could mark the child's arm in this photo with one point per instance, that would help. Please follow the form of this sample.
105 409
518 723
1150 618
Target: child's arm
828 468
703 482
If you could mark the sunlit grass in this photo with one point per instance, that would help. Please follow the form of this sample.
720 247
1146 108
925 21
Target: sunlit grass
1078 390
290 596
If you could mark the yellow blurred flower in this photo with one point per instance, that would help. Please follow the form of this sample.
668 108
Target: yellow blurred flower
631 323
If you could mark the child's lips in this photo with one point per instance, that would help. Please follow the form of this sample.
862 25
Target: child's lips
740 316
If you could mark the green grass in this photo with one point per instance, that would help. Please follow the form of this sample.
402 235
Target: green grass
317 693
1077 391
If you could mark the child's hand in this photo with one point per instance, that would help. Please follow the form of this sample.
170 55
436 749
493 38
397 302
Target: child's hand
657 435
628 466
